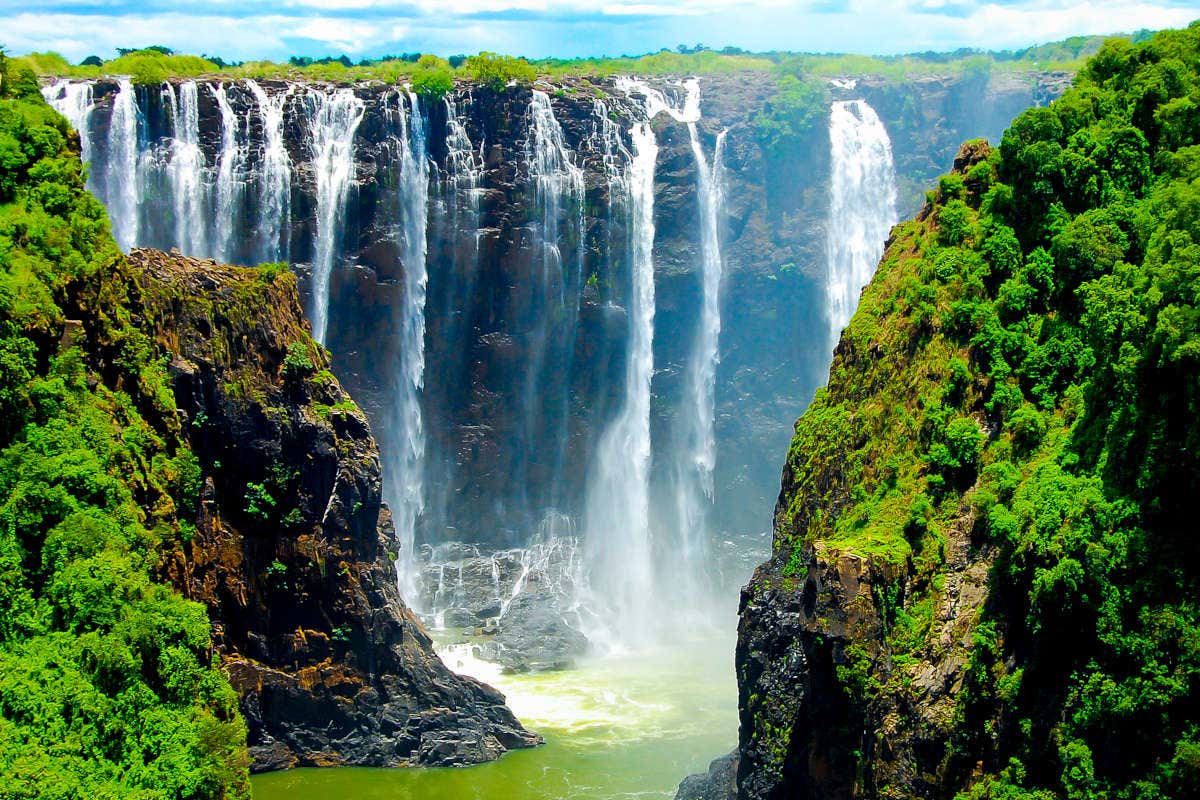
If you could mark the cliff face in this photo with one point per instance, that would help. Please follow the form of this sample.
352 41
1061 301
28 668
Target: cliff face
291 549
485 323
984 554
855 636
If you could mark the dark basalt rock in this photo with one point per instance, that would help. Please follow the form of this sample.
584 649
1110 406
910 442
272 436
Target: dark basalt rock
534 636
509 604
290 553
719 783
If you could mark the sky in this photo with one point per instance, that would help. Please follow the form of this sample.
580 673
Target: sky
275 29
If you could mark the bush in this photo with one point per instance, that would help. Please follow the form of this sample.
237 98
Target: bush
956 223
492 69
433 77
152 66
107 688
298 364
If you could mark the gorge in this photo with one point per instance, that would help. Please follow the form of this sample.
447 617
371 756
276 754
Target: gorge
576 315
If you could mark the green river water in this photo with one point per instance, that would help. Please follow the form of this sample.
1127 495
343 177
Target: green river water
626 726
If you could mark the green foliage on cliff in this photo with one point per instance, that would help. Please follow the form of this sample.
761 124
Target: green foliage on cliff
1023 377
107 683
492 69
792 114
151 65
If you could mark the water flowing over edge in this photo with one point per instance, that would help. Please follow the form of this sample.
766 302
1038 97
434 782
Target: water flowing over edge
404 461
615 587
862 205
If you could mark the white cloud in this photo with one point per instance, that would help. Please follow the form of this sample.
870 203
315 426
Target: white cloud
339 34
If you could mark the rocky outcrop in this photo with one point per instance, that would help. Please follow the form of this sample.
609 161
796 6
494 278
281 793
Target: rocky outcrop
855 637
719 783
515 607
290 551
802 645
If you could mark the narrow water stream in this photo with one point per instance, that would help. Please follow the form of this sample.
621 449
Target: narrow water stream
625 726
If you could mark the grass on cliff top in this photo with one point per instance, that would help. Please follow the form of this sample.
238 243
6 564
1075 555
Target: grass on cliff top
153 65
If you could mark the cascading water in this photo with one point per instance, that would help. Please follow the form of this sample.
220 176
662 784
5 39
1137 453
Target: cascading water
122 169
558 188
454 238
75 101
185 171
696 449
617 530
333 119
275 177
404 466
862 205
229 179
464 169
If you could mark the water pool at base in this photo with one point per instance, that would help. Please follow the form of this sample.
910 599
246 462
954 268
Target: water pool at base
626 726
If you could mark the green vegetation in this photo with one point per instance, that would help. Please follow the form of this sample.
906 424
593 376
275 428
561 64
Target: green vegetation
107 682
1023 375
434 76
298 362
491 69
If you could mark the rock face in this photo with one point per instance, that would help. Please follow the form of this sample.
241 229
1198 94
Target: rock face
491 473
833 701
290 552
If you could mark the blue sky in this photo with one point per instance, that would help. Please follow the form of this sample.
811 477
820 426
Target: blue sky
250 29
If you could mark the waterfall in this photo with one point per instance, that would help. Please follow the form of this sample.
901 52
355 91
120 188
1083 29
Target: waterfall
697 445
464 169
275 177
617 529
333 119
122 187
75 101
229 177
454 241
406 456
558 190
862 205
186 169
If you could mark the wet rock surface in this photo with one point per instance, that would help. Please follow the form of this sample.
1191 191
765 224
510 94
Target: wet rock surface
534 636
514 606
291 548
719 783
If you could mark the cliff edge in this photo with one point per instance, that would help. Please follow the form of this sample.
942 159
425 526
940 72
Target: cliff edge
291 549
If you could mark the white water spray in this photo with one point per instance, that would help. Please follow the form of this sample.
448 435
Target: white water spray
697 446
617 516
75 101
275 176
121 177
405 478
862 205
185 171
464 170
229 179
558 185
333 119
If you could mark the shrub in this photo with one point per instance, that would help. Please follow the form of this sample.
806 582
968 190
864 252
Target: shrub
298 364
492 69
433 77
